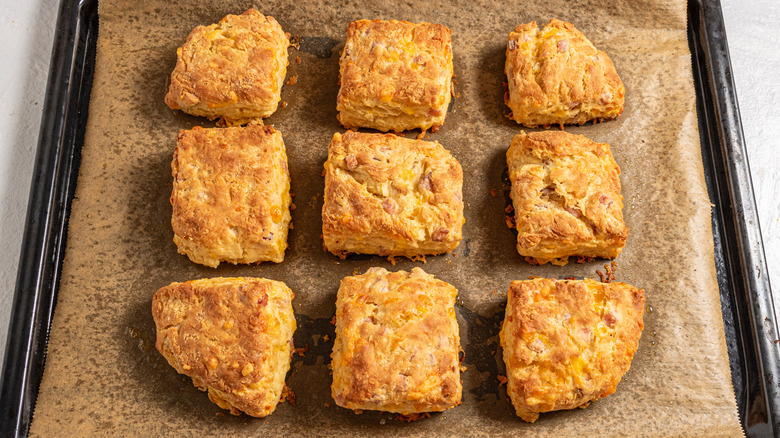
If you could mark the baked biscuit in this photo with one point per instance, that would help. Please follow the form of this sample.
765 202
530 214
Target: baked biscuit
232 336
397 343
232 70
231 195
391 196
566 195
556 76
568 343
395 75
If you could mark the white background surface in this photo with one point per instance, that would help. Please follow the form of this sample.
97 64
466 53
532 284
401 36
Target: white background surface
27 33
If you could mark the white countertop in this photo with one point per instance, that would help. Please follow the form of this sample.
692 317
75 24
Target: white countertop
27 30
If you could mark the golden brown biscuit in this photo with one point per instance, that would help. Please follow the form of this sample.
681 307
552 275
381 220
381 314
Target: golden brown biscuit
232 336
231 195
391 196
397 343
568 343
395 75
556 76
566 195
232 70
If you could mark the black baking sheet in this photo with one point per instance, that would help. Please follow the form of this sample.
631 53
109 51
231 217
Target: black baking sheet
746 295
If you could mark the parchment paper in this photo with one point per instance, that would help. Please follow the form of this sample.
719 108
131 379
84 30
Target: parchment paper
103 375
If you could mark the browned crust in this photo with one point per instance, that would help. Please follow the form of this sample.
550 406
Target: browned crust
395 75
568 343
391 196
230 195
233 69
566 196
557 76
232 336
397 343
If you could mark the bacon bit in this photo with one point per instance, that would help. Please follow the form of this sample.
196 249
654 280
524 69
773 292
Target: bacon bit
492 352
413 417
297 59
509 209
570 278
293 80
435 128
560 125
291 225
333 320
326 338
493 192
292 206
352 161
502 380
422 134
287 395
510 222
391 259
284 104
302 351
327 404
440 234
600 276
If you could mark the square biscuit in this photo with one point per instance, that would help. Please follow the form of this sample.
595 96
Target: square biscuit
391 196
232 336
395 76
557 76
397 343
233 70
568 343
231 195
566 196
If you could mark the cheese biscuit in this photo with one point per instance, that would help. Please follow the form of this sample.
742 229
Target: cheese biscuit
232 336
233 70
397 343
566 196
395 76
568 343
556 76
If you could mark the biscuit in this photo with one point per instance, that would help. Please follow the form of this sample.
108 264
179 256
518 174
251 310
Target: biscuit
556 76
391 196
232 336
232 70
395 75
231 195
566 196
397 343
568 343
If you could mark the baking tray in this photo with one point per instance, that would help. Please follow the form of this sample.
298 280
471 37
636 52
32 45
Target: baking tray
746 296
